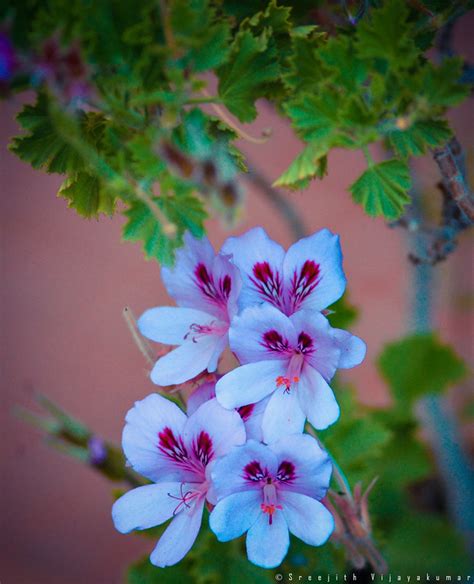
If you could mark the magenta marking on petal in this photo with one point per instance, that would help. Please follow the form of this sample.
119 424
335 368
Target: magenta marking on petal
246 411
254 472
305 282
268 283
171 446
273 341
202 448
205 281
305 343
286 472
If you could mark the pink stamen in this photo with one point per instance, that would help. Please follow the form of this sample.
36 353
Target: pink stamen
270 505
197 331
184 499
293 373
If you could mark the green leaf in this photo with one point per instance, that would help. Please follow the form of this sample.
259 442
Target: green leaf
304 70
416 139
382 189
342 64
315 118
143 226
87 195
386 34
310 163
204 38
419 365
182 209
44 145
143 572
245 77
342 313
441 86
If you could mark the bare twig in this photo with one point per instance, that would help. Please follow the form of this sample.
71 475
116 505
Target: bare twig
140 341
449 161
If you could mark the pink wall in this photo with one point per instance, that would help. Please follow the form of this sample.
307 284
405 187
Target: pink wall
65 282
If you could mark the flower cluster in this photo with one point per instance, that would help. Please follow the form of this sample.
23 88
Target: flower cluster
240 449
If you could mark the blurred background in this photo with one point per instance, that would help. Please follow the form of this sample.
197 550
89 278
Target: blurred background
65 282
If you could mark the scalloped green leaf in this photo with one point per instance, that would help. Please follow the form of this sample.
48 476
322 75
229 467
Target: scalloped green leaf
417 138
383 189
87 195
251 67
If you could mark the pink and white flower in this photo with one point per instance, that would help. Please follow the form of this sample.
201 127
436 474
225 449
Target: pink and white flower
205 287
174 451
307 276
269 492
291 359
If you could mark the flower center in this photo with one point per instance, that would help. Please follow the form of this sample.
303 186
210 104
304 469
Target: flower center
270 504
187 496
293 372
198 331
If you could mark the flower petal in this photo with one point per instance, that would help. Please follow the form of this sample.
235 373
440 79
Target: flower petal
261 333
201 395
170 324
268 543
252 416
145 507
225 428
144 422
202 280
313 272
307 518
283 415
260 260
325 353
228 472
187 361
178 537
248 384
180 279
352 349
312 465
317 399
235 514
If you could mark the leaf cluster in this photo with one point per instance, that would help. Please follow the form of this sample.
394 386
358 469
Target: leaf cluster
147 85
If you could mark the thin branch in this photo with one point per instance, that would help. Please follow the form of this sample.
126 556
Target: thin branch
448 158
169 229
237 129
140 341
279 201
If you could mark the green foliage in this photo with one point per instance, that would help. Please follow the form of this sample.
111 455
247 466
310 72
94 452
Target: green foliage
87 195
419 365
414 140
342 314
144 67
252 67
382 189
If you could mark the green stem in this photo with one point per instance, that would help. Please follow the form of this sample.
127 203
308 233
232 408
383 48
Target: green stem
368 157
